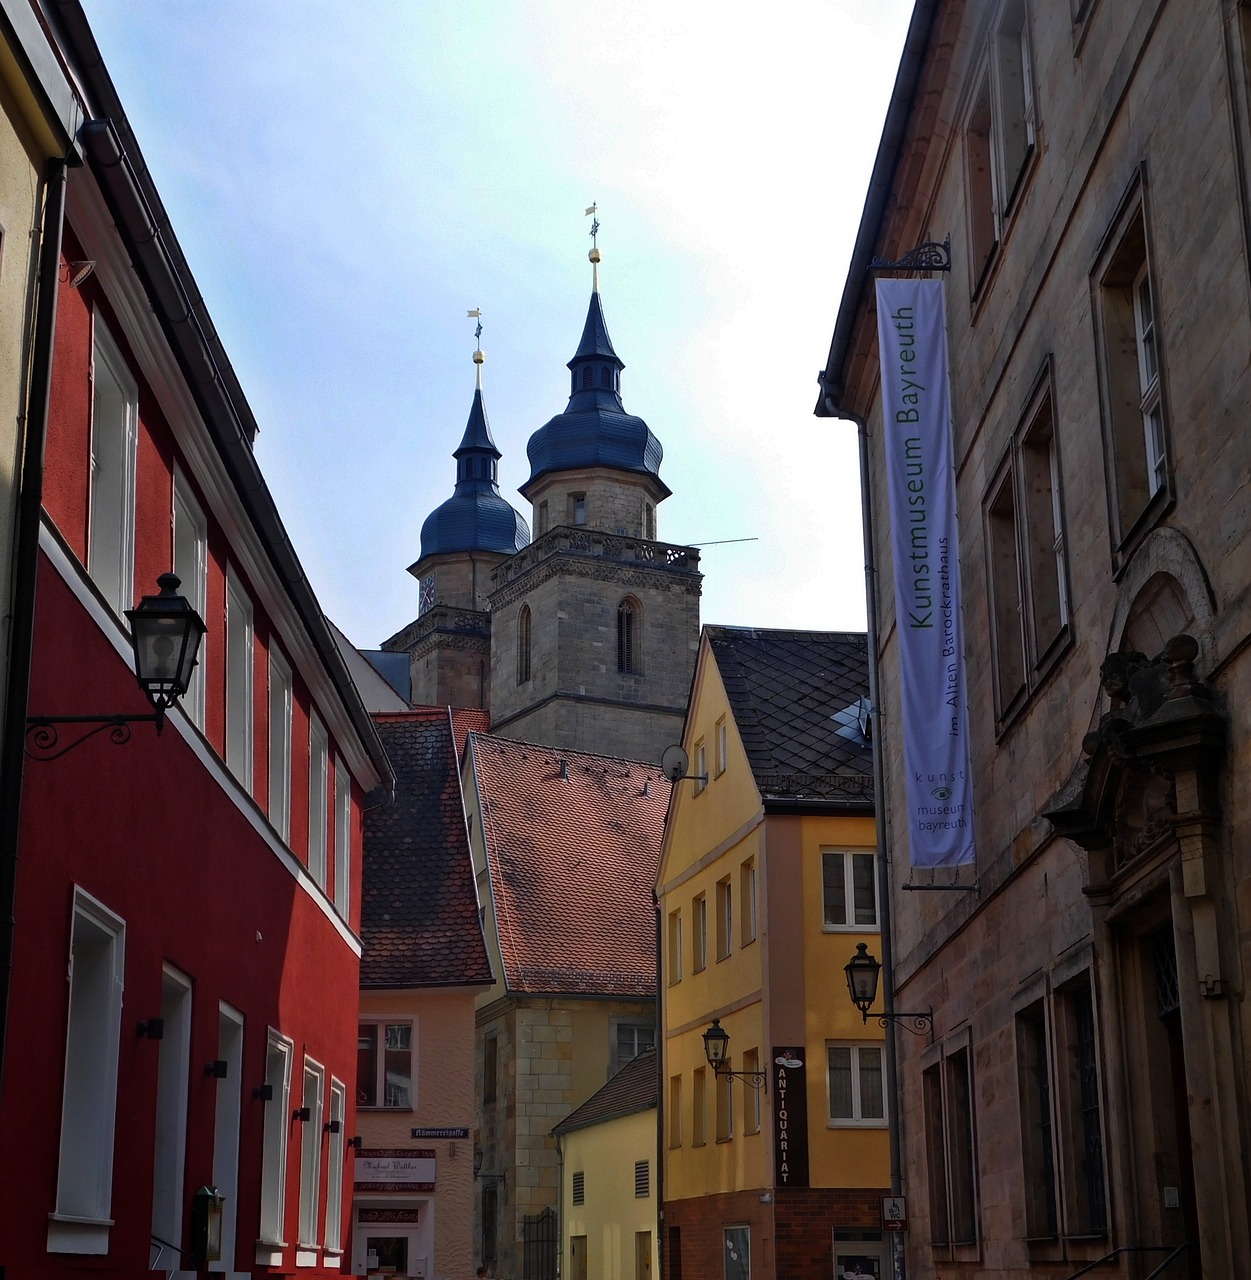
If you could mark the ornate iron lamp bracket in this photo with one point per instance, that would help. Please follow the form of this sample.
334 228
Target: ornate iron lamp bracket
43 737
933 255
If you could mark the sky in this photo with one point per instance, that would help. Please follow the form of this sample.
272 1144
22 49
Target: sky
347 178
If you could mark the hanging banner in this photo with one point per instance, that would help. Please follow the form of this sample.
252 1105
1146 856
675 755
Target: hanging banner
916 412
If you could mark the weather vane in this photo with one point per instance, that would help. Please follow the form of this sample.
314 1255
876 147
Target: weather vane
478 357
594 254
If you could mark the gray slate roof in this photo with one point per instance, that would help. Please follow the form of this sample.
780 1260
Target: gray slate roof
631 1090
784 689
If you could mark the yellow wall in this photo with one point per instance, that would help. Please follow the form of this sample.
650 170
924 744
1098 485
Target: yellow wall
785 987
612 1214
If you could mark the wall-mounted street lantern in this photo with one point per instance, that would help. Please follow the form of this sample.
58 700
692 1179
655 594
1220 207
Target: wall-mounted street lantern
863 971
166 633
206 1227
492 1178
716 1050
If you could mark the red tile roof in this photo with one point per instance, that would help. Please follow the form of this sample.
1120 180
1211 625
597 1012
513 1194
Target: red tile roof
572 856
419 907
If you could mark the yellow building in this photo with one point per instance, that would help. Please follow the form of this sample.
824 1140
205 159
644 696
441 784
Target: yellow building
608 1187
767 882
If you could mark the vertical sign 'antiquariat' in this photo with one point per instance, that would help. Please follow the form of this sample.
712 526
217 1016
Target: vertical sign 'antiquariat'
790 1116
916 412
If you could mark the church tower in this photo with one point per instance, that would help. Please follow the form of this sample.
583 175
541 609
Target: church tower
462 541
594 627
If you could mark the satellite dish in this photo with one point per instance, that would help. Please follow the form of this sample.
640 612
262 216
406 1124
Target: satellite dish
674 763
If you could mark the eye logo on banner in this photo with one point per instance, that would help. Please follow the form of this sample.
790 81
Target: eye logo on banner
916 412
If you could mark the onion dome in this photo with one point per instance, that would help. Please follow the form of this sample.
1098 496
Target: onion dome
475 517
594 430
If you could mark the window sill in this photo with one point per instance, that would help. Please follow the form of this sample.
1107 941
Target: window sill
307 1257
269 1252
70 1234
857 1124
851 928
721 1142
395 1111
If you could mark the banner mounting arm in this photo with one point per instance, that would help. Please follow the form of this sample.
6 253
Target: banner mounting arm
933 255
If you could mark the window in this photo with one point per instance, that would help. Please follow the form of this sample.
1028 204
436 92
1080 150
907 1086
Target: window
542 519
173 1070
725 918
850 889
279 743
629 1040
114 444
721 746
699 911
675 946
239 719
1080 1112
747 900
935 1154
999 137
700 776
1037 1129
675 1111
342 837
523 644
1135 419
384 1065
84 1190
699 1119
274 1157
649 522
490 1067
629 628
310 1151
191 566
227 1113
579 1186
577 508
333 1236
751 1097
642 1179
857 1092
490 1223
737 1252
318 767
947 1097
725 1107
1026 560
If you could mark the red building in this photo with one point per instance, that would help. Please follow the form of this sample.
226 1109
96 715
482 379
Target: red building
182 1005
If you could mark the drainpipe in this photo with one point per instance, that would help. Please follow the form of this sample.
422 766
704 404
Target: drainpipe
660 1106
26 571
834 410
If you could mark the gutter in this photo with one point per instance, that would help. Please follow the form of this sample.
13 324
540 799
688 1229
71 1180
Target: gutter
144 227
881 183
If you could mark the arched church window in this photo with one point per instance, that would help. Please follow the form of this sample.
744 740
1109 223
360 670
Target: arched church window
629 636
523 644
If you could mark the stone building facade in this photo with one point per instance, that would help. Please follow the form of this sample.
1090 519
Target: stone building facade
1085 1093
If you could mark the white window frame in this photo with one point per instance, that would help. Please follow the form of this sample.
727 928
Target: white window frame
190 535
333 1232
172 1082
279 1055
380 1079
84 1199
111 524
342 837
318 797
227 1114
857 1119
281 687
1150 406
312 1097
240 661
849 856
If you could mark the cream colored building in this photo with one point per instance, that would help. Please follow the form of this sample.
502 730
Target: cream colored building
767 884
1086 1093
607 1153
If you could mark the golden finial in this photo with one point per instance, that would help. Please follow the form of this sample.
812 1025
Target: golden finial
594 254
478 357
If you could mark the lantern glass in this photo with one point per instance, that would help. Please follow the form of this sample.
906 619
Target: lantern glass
862 972
166 633
716 1044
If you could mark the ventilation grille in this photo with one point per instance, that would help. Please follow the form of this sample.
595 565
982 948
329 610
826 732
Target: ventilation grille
642 1179
579 1187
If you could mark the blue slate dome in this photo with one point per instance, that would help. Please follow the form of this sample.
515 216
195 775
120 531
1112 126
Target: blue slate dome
475 517
594 430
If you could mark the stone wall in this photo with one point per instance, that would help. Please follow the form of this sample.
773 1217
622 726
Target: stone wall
615 501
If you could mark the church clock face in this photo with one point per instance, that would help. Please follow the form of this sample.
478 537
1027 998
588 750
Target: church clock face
425 596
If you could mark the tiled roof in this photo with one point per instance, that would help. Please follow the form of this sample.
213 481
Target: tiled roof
419 909
785 688
572 857
631 1090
